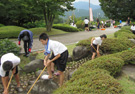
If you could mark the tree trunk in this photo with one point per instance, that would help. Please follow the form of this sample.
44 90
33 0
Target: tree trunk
48 27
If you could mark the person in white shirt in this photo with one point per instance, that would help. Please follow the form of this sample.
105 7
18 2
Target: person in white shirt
59 56
95 43
86 21
9 62
133 29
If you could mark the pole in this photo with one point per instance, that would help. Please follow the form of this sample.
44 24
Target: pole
89 10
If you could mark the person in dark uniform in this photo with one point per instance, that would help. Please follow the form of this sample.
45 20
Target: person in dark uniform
27 37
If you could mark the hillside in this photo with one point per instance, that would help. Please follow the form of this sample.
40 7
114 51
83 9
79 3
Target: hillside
82 9
85 5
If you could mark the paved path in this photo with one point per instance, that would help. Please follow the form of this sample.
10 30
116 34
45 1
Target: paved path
70 38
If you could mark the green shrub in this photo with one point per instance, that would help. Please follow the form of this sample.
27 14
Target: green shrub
10 31
109 63
109 45
115 45
7 46
128 56
124 35
126 28
65 27
95 81
1 25
34 24
29 25
80 25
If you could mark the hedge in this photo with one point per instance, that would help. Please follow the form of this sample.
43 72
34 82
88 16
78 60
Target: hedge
65 27
124 35
95 81
110 45
10 31
7 46
128 56
109 63
93 77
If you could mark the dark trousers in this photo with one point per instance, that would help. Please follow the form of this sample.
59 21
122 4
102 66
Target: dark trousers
26 46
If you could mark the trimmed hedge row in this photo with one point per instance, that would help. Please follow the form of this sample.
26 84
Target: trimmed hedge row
95 81
110 45
124 33
7 46
109 63
10 31
94 77
65 27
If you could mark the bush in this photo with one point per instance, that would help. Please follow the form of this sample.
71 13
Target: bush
29 25
109 45
10 31
65 27
1 25
95 81
128 56
124 35
7 46
109 63
79 24
34 24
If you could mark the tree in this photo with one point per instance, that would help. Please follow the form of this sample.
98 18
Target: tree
50 9
118 9
17 12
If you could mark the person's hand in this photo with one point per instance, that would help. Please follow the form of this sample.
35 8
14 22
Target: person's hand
19 42
14 70
91 44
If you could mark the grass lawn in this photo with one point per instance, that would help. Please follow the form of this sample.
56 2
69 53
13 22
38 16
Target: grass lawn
128 85
13 31
38 31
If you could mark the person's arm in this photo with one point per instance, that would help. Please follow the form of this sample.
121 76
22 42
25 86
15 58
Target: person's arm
45 60
92 40
41 51
55 58
14 70
97 48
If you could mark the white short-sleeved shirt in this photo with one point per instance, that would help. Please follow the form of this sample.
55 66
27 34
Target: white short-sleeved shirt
97 41
86 21
8 57
55 47
132 27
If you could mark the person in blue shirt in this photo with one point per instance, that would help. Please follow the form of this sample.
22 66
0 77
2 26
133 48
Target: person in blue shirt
27 37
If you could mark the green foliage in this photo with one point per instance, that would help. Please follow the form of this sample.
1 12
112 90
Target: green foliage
13 31
38 31
109 63
109 45
7 46
10 31
65 27
79 24
34 24
115 45
128 56
124 35
1 25
95 81
118 9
